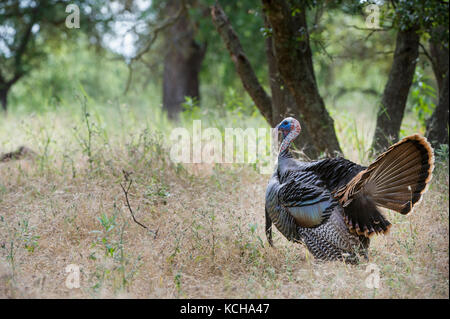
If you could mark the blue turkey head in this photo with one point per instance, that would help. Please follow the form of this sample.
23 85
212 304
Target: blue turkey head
287 126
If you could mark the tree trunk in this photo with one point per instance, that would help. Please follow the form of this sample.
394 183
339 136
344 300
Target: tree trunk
4 99
182 63
437 125
395 95
283 103
439 59
294 60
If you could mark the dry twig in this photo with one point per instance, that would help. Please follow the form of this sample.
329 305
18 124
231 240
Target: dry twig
125 191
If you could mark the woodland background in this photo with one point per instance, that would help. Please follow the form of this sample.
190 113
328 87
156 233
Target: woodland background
86 109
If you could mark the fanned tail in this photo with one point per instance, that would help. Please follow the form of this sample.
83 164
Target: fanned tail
396 180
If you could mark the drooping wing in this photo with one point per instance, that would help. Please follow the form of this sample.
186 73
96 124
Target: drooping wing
305 197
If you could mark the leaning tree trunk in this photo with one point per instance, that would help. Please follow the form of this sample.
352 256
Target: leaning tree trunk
243 67
294 60
182 63
437 125
395 95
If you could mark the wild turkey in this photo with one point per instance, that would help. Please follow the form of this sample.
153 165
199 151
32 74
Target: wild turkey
331 205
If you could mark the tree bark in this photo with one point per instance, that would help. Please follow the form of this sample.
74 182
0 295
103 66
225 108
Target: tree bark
182 63
4 99
395 95
283 103
437 125
294 61
439 60
5 85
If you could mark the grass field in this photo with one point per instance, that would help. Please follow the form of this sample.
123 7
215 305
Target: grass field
64 205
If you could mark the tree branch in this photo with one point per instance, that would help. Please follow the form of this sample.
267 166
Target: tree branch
169 22
243 66
425 51
25 39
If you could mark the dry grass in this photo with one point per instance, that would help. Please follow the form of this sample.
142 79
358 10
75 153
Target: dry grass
66 208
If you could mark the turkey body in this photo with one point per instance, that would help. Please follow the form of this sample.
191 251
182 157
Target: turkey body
298 184
332 205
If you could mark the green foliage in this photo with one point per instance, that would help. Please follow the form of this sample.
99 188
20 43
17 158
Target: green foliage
21 235
218 71
56 83
30 30
442 153
348 63
426 15
111 239
422 96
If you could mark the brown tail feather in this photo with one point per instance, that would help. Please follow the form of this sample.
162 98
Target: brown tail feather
396 180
